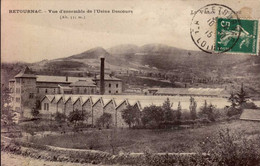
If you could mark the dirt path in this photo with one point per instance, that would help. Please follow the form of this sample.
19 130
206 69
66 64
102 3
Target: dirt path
8 159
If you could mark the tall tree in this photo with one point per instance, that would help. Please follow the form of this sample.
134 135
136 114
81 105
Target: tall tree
152 114
242 96
208 111
76 116
167 109
193 107
233 100
60 117
178 112
131 115
104 120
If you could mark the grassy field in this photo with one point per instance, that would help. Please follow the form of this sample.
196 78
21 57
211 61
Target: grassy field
125 140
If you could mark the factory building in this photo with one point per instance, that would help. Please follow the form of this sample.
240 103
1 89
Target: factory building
96 105
27 88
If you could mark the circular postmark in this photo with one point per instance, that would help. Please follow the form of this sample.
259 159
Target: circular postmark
203 27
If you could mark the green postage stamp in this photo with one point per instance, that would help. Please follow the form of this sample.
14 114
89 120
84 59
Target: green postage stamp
238 36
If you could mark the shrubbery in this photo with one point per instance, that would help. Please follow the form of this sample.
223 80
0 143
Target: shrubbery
60 118
239 101
209 112
152 116
165 117
231 149
105 120
131 116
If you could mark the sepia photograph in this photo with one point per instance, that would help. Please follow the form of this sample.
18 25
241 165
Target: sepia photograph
128 82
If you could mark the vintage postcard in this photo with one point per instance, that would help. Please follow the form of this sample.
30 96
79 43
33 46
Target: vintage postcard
128 82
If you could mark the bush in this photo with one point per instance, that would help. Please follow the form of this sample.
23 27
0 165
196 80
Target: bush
231 111
76 116
231 149
152 124
208 111
152 116
188 122
60 118
104 120
42 125
35 112
185 115
131 116
170 124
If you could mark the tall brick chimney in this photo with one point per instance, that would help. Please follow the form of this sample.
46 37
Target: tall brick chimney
102 79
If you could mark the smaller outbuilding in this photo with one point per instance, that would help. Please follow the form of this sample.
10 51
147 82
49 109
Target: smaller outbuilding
251 114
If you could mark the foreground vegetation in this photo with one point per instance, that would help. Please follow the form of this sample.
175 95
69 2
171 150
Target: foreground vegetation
230 143
9 159
154 141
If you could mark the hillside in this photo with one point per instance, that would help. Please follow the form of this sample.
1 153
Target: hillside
167 58
93 53
160 58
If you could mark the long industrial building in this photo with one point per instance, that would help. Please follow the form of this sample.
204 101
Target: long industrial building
96 105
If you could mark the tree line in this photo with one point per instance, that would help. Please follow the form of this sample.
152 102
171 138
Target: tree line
165 116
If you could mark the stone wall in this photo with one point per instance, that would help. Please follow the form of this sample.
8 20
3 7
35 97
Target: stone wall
77 105
87 107
44 102
84 90
60 105
48 90
112 87
53 107
68 107
111 109
27 96
97 111
120 121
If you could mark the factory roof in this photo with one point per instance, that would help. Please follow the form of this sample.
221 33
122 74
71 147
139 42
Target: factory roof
49 97
192 91
64 87
57 98
108 78
25 73
143 101
83 83
61 79
47 86
113 102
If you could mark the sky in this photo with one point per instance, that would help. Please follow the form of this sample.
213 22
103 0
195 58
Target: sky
35 37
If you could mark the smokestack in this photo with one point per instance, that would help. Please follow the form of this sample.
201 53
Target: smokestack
102 79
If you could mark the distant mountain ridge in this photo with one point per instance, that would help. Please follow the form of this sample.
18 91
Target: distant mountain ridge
93 53
123 49
160 56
